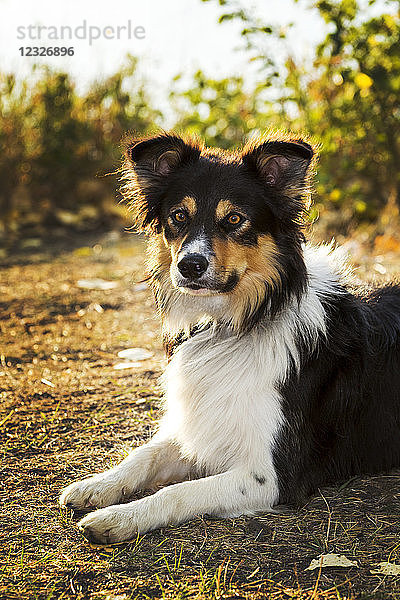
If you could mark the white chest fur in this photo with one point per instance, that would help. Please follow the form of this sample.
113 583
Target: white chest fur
222 402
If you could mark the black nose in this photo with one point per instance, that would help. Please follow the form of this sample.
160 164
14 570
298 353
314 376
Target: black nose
193 266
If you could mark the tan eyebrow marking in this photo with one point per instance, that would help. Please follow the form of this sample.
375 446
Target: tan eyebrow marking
189 204
224 207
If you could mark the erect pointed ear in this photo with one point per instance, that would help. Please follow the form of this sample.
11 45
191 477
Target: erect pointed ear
281 165
145 175
161 154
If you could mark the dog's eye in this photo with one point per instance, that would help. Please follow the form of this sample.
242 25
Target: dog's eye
179 216
234 219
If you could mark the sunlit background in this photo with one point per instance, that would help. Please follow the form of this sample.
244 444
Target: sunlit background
81 350
180 37
224 70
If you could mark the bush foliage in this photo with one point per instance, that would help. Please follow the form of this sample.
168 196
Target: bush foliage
58 146
55 141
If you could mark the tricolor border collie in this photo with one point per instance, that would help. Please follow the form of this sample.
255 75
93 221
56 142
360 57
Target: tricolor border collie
282 378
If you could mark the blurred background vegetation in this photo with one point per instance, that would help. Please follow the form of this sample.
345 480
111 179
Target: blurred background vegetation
58 146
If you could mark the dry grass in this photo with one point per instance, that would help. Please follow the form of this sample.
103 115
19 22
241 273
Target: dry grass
52 330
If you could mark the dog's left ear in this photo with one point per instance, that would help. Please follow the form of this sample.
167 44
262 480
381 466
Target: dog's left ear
281 165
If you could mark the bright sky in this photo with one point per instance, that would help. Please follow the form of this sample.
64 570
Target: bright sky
180 35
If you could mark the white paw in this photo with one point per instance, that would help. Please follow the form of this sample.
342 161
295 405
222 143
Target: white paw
94 492
112 524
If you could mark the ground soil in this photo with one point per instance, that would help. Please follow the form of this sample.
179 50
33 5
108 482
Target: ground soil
67 412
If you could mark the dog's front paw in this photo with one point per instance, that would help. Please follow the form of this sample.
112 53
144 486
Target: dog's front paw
94 492
110 525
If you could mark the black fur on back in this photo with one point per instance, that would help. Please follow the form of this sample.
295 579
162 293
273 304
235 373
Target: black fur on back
342 412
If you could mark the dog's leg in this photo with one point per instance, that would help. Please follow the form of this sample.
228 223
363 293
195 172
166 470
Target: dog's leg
228 494
152 464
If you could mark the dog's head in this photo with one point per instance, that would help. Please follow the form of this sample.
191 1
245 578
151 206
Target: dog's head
222 224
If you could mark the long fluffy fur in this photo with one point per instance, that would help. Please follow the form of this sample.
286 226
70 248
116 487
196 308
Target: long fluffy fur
288 381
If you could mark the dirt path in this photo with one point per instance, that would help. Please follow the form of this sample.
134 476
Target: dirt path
67 412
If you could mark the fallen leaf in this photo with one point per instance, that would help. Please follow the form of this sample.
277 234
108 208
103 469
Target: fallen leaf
386 568
96 284
331 560
127 365
47 382
135 354
98 308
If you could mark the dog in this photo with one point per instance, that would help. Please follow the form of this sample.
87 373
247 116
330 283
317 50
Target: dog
282 377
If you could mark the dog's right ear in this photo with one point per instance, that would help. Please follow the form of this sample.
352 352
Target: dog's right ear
161 154
148 164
